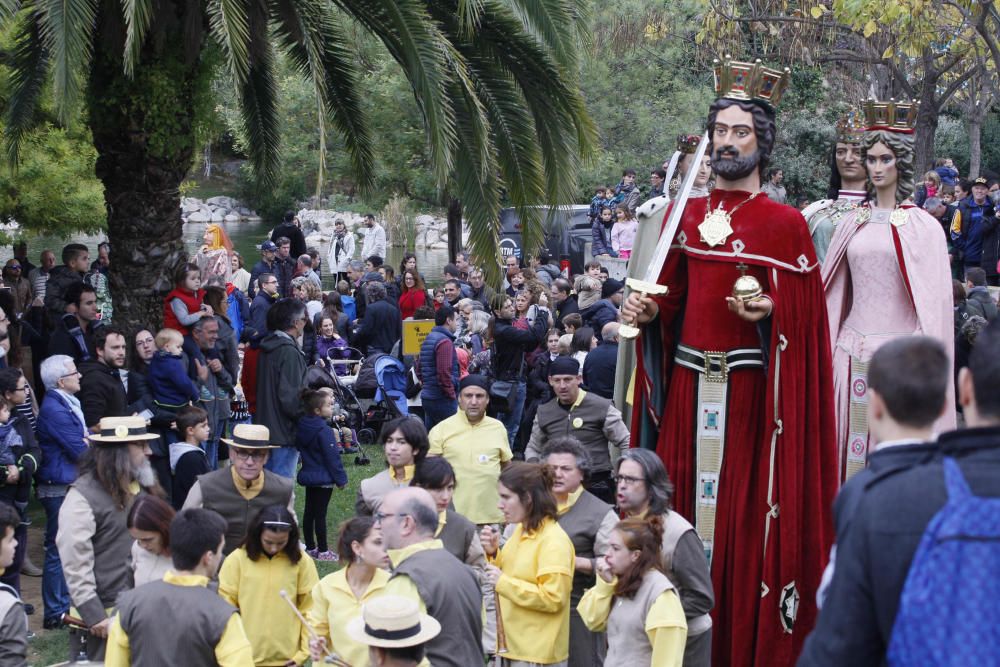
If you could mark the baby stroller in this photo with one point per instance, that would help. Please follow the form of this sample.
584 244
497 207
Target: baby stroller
382 379
348 412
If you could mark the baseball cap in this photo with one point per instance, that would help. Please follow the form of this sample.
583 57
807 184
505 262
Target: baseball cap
268 246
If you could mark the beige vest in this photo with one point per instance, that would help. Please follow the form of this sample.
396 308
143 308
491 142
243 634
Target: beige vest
674 527
627 640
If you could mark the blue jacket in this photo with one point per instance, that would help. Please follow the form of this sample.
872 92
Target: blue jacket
170 381
256 329
321 464
968 228
428 369
599 314
60 436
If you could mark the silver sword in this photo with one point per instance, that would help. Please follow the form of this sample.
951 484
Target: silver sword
648 286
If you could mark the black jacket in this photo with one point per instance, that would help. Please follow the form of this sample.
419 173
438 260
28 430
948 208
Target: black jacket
60 278
873 559
511 344
284 270
281 369
293 234
27 455
567 307
599 369
256 328
380 329
102 393
62 341
599 314
258 268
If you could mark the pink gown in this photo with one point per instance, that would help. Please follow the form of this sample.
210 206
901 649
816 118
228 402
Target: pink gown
881 284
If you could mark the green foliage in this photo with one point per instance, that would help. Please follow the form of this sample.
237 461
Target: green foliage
54 189
952 140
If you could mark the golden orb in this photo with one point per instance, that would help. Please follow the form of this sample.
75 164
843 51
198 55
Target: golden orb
747 288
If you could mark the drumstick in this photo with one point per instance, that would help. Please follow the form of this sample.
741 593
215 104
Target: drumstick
331 657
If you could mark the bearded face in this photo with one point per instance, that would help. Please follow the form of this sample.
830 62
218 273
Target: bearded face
735 151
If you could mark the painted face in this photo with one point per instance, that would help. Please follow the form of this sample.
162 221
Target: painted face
510 504
849 163
398 452
734 143
568 476
881 164
273 541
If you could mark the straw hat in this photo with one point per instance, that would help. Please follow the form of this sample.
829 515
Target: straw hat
122 430
391 621
250 436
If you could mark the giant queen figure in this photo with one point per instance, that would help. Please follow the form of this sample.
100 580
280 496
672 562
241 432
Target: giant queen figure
734 384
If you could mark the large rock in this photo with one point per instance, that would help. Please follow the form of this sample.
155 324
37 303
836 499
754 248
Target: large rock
231 217
218 216
200 216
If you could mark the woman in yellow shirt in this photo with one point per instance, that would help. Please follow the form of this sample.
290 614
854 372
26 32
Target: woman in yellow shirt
269 561
533 574
338 598
404 441
634 601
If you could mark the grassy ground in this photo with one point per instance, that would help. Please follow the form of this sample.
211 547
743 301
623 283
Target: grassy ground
50 646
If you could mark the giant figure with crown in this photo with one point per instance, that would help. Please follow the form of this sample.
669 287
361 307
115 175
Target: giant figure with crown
735 373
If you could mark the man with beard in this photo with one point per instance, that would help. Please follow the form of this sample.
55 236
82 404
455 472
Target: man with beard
94 542
102 392
847 185
740 411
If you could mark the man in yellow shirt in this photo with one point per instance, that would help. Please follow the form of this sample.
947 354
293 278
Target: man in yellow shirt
476 447
423 570
179 620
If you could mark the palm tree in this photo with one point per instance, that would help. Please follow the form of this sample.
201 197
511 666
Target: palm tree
496 81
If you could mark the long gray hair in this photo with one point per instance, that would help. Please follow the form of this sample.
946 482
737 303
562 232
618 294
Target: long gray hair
901 146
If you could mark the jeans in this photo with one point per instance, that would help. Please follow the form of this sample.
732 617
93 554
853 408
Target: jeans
211 447
512 420
283 461
437 410
55 593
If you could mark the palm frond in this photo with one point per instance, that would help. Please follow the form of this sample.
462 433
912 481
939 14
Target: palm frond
309 33
29 66
138 16
229 23
468 14
414 41
259 99
67 26
8 8
553 21
479 191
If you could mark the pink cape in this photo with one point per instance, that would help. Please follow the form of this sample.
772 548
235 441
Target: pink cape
922 255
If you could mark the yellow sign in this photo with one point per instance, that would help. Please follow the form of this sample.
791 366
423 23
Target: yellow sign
414 333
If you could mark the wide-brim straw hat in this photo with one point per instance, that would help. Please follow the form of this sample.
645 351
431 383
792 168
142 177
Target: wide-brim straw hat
121 431
250 436
391 621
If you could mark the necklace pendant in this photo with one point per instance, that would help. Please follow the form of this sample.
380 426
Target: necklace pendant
864 215
716 227
898 217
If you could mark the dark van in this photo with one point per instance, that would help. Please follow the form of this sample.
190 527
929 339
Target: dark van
567 236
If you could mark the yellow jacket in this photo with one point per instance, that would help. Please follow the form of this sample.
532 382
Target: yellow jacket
534 593
334 605
253 587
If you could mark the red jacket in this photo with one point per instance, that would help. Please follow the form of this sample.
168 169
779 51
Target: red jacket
410 300
191 300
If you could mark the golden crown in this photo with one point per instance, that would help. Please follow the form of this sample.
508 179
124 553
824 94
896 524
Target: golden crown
850 129
892 115
688 143
750 81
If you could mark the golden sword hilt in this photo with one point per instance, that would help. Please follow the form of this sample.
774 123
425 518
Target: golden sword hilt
644 288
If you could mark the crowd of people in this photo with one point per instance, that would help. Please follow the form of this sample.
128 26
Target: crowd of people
566 497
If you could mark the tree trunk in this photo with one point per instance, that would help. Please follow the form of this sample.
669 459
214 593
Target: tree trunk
926 129
143 130
454 228
975 145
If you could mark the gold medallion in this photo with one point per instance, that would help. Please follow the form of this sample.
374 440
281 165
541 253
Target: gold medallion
898 217
716 227
864 215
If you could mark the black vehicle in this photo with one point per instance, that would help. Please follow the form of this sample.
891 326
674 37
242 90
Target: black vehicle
567 236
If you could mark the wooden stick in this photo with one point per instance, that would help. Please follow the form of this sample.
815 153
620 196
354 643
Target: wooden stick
501 647
331 657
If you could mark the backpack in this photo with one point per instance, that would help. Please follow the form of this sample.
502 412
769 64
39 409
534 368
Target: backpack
948 613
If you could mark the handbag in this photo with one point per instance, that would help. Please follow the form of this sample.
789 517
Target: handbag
503 393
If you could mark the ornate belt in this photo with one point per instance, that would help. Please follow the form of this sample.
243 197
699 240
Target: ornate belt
716 365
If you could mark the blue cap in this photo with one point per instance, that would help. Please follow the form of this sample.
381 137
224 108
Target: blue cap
268 246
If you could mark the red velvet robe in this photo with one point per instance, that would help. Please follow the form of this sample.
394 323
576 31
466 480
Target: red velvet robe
780 452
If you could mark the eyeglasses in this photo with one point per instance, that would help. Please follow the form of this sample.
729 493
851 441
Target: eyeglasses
245 455
14 267
627 480
69 375
24 388
380 517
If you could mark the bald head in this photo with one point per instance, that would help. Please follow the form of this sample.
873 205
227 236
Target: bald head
610 332
410 517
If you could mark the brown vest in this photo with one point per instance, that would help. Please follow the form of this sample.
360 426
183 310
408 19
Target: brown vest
183 622
220 494
628 643
555 422
112 542
581 523
457 535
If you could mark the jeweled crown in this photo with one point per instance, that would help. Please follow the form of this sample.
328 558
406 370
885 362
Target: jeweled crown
892 115
750 81
850 129
688 143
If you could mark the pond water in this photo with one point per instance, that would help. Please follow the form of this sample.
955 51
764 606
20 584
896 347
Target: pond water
246 238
